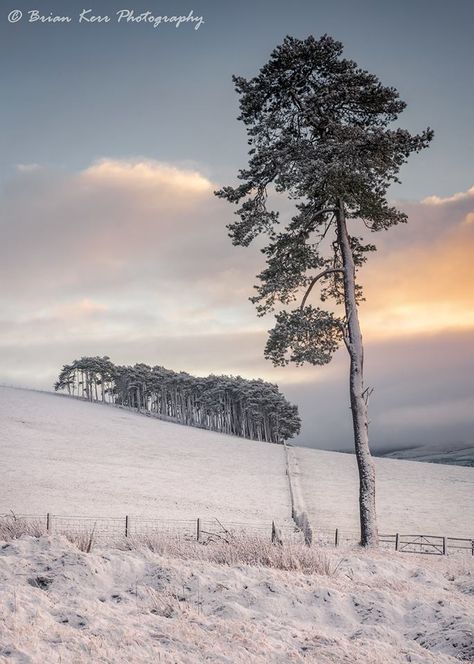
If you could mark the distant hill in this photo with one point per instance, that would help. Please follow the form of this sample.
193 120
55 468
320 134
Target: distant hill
457 454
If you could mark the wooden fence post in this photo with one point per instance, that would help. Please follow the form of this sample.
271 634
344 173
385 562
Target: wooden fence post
127 525
444 546
48 522
308 533
336 537
396 542
276 535
198 529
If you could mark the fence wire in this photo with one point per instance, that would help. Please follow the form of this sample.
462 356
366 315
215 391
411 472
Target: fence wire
109 529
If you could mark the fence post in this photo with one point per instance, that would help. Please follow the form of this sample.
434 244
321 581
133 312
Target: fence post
276 535
48 522
444 546
336 537
127 525
308 533
396 542
198 529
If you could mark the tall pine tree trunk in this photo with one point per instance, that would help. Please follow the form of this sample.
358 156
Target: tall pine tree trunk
368 519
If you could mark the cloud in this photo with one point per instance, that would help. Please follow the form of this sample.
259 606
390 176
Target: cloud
27 168
423 390
425 285
455 198
112 225
444 413
84 308
148 177
130 258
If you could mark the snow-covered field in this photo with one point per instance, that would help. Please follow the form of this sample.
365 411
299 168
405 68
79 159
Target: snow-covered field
176 601
71 457
115 606
412 497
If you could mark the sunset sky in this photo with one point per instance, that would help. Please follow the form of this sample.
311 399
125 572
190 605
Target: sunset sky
114 139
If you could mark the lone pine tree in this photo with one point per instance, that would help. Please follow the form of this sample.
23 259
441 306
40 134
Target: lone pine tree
320 133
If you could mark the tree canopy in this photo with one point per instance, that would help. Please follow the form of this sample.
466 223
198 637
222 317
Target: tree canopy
230 404
319 127
321 137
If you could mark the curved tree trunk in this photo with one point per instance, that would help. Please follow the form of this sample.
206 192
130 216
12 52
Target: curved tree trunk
368 519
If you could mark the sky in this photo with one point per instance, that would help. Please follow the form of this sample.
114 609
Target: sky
114 137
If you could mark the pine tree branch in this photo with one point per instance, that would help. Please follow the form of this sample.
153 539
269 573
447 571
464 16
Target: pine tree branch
347 341
366 394
316 278
324 211
318 213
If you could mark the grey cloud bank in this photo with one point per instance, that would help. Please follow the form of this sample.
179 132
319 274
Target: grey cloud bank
410 404
131 258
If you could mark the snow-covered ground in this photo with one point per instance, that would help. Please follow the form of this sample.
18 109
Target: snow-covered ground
70 457
176 601
114 606
412 497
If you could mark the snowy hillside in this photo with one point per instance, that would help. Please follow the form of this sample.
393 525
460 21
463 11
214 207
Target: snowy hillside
412 497
164 598
457 454
71 457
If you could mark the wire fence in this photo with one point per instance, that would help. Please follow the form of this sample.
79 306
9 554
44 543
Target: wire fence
110 529
115 528
403 543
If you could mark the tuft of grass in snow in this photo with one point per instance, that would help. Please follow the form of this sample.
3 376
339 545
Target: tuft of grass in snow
83 540
238 549
13 527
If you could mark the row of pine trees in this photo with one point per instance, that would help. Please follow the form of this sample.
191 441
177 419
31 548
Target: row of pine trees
230 404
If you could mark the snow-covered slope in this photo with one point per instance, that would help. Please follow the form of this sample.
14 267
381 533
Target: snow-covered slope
412 497
114 606
71 457
458 454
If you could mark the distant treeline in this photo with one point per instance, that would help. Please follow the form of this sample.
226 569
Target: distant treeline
230 404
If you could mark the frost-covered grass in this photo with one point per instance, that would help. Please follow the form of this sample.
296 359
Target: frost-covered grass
227 549
114 605
252 550
12 527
